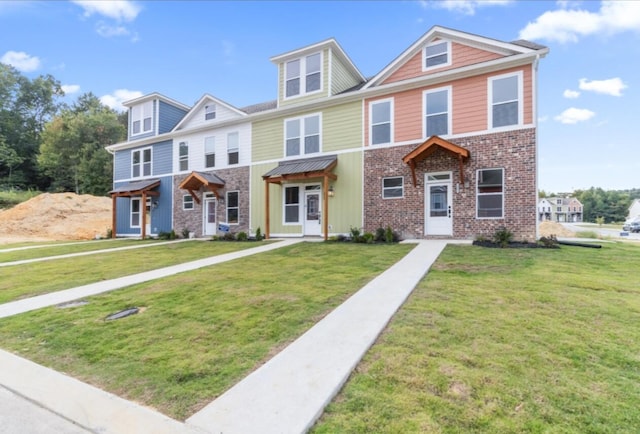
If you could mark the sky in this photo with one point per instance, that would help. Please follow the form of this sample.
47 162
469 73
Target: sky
589 83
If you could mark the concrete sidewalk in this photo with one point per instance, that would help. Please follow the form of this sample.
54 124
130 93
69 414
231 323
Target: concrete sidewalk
286 395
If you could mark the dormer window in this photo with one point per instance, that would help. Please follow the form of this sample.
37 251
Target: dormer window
437 54
303 75
209 112
141 116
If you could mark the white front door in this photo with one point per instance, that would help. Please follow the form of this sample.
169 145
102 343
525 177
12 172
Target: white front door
209 211
438 209
312 214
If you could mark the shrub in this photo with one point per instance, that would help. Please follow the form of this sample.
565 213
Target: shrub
242 236
167 235
258 234
389 235
379 235
185 233
503 236
228 236
355 235
368 238
109 232
550 241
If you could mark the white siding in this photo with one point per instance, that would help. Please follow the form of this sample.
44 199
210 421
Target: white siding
196 147
223 113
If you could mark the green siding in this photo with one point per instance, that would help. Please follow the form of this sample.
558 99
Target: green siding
267 140
299 100
342 127
341 78
345 209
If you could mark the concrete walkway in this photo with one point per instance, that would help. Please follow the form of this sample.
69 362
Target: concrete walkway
286 395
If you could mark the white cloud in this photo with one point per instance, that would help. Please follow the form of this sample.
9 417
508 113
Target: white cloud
568 25
108 31
574 115
543 118
612 86
119 96
466 7
120 10
571 94
70 88
21 61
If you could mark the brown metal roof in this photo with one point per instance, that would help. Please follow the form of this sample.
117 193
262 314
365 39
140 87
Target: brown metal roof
136 186
301 166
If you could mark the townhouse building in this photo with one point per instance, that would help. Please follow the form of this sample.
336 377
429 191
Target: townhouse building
560 209
441 143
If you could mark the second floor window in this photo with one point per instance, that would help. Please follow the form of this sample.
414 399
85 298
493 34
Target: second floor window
380 122
210 151
233 148
437 116
141 116
209 112
505 101
303 75
302 136
141 163
183 158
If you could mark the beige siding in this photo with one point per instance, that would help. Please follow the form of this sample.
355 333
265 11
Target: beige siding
342 127
462 55
268 140
341 78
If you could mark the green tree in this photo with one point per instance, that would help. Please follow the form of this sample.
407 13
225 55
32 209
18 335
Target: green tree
611 205
9 159
72 153
25 106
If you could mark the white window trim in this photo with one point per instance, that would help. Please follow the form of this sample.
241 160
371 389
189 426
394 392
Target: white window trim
209 153
303 76
387 188
442 65
207 112
135 199
226 207
142 107
391 119
449 90
300 204
231 150
302 135
181 158
185 201
141 150
502 194
490 81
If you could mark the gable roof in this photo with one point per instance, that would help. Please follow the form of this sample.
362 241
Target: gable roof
206 98
155 95
330 43
480 42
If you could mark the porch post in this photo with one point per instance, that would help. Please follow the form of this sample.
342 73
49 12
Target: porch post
267 229
325 207
143 223
114 200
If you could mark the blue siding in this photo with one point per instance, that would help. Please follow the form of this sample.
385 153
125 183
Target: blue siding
122 165
169 117
153 125
162 158
160 217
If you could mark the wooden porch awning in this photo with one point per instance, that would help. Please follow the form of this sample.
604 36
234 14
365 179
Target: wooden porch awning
196 180
429 147
300 170
142 188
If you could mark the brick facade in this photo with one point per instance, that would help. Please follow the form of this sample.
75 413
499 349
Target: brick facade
236 179
513 151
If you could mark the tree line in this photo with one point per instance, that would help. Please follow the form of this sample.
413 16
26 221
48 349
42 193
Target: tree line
49 145
610 205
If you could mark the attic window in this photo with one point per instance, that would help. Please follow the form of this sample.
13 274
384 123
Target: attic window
437 54
209 112
303 75
141 118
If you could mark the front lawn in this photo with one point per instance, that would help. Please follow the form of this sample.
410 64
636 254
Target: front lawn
506 341
198 332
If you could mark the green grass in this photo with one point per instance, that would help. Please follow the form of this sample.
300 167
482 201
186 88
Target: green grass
11 198
506 341
63 248
19 281
202 331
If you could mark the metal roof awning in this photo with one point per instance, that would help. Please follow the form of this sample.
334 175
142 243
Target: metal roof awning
431 145
136 188
304 168
197 180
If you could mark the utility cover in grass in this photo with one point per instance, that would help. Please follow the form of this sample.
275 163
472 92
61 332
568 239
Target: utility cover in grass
122 313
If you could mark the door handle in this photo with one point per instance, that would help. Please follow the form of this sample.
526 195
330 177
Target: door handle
449 211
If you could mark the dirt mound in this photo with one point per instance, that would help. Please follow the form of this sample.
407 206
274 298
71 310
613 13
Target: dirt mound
553 228
60 216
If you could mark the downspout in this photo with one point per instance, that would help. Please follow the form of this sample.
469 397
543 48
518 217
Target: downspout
535 114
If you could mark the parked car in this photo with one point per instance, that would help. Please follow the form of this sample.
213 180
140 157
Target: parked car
632 225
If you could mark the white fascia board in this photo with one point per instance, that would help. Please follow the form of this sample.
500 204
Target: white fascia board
155 95
201 102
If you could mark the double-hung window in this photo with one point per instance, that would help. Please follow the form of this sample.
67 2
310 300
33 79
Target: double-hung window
505 100
183 158
303 75
380 116
233 209
141 163
210 151
292 204
437 54
393 188
187 202
141 116
490 193
437 109
302 136
233 148
209 112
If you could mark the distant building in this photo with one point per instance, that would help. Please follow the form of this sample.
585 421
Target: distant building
634 209
561 209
